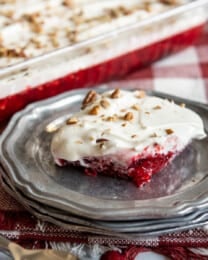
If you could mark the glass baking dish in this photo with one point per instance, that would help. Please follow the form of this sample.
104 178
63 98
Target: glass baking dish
101 58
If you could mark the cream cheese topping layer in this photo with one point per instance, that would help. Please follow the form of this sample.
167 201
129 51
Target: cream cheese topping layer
129 122
31 28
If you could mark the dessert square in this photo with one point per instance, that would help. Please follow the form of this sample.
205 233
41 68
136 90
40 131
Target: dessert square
125 134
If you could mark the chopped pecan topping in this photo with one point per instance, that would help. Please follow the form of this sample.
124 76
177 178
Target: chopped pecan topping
136 107
123 110
54 42
153 135
37 43
104 103
116 93
94 111
182 105
77 19
111 118
106 131
88 50
7 13
128 116
67 3
71 35
72 121
90 97
169 2
79 142
169 131
101 145
157 107
134 136
11 53
101 140
148 7
140 93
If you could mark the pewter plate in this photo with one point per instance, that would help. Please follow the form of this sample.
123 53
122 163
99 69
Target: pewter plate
123 229
25 154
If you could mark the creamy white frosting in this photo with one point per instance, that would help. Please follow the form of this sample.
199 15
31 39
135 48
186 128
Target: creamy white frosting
37 27
155 121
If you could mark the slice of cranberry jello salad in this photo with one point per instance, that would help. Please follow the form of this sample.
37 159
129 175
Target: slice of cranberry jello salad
126 134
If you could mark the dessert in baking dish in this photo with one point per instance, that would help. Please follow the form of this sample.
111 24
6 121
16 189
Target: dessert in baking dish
32 28
125 134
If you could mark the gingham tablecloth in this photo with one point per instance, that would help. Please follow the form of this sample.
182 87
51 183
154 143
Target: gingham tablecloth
184 74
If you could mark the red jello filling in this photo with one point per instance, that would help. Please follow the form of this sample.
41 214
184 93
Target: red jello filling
141 170
102 72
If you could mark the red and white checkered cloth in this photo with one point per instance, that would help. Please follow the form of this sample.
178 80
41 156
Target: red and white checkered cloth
184 74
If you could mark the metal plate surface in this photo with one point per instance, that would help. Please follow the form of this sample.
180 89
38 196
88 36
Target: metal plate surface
127 230
25 154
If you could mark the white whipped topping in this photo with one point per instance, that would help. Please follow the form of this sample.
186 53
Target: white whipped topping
37 27
155 121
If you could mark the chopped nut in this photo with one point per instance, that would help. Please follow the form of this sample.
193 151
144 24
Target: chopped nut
182 105
104 103
140 93
8 13
88 50
169 2
101 145
54 42
128 116
101 140
136 107
133 136
113 13
106 131
157 107
37 28
78 142
71 35
169 131
34 21
11 53
148 7
147 112
124 124
124 10
90 97
67 3
72 121
77 19
115 93
37 43
153 135
112 118
123 110
94 111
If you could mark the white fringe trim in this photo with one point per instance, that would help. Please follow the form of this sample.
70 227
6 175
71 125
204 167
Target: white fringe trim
199 251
